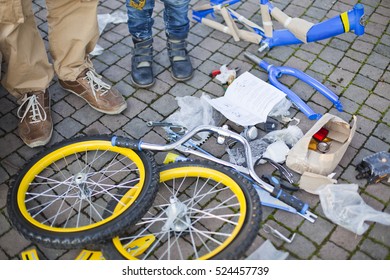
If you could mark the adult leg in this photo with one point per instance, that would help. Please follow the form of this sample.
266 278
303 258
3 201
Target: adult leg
28 75
177 27
73 33
140 23
24 53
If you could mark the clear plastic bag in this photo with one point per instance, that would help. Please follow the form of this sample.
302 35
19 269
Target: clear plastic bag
343 205
267 251
193 112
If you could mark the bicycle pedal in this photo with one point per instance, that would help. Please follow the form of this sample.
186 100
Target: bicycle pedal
30 255
140 245
88 255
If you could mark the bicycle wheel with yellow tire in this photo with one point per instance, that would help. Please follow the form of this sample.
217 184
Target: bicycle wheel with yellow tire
61 197
202 211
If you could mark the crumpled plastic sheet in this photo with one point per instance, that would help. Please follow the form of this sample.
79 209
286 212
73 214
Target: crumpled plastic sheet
343 205
193 112
267 251
104 19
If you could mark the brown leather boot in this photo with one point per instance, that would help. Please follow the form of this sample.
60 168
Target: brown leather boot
36 126
97 93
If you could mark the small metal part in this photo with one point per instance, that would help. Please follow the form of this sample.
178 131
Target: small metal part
268 229
250 132
154 123
323 147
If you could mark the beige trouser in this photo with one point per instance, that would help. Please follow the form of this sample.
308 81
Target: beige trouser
73 33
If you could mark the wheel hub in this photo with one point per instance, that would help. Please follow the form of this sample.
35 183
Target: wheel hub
177 216
80 180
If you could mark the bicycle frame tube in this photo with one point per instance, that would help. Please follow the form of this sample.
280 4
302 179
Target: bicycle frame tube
343 23
275 72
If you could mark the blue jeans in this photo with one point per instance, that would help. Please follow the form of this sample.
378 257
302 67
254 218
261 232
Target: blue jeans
140 21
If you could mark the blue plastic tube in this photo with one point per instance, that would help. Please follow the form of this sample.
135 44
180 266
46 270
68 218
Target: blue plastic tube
275 72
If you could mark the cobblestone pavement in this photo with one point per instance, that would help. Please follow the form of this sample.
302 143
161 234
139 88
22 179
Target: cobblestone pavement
355 68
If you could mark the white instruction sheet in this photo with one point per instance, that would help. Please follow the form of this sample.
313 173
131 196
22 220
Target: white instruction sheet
248 100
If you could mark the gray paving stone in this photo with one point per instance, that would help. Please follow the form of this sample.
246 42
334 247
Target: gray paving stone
371 72
303 248
13 243
68 127
134 107
180 90
364 82
341 77
4 225
12 142
377 251
370 113
287 219
382 132
380 191
3 195
136 128
386 118
349 64
96 128
348 105
6 105
382 49
378 103
114 122
364 125
12 164
318 231
331 251
345 238
3 174
331 55
380 233
9 122
378 60
145 95
360 256
374 144
165 105
63 109
86 115
383 90
339 44
115 73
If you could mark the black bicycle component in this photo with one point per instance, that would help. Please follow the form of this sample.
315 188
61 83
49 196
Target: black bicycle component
291 200
125 142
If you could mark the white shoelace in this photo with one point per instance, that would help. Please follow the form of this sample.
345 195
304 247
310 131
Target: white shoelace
38 113
96 83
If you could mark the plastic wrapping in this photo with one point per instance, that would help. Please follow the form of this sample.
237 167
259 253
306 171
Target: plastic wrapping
194 112
343 205
103 20
267 251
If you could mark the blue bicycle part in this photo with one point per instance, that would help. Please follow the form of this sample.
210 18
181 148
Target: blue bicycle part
275 72
353 20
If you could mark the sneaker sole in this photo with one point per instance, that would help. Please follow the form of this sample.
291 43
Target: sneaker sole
41 142
142 86
182 79
119 110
